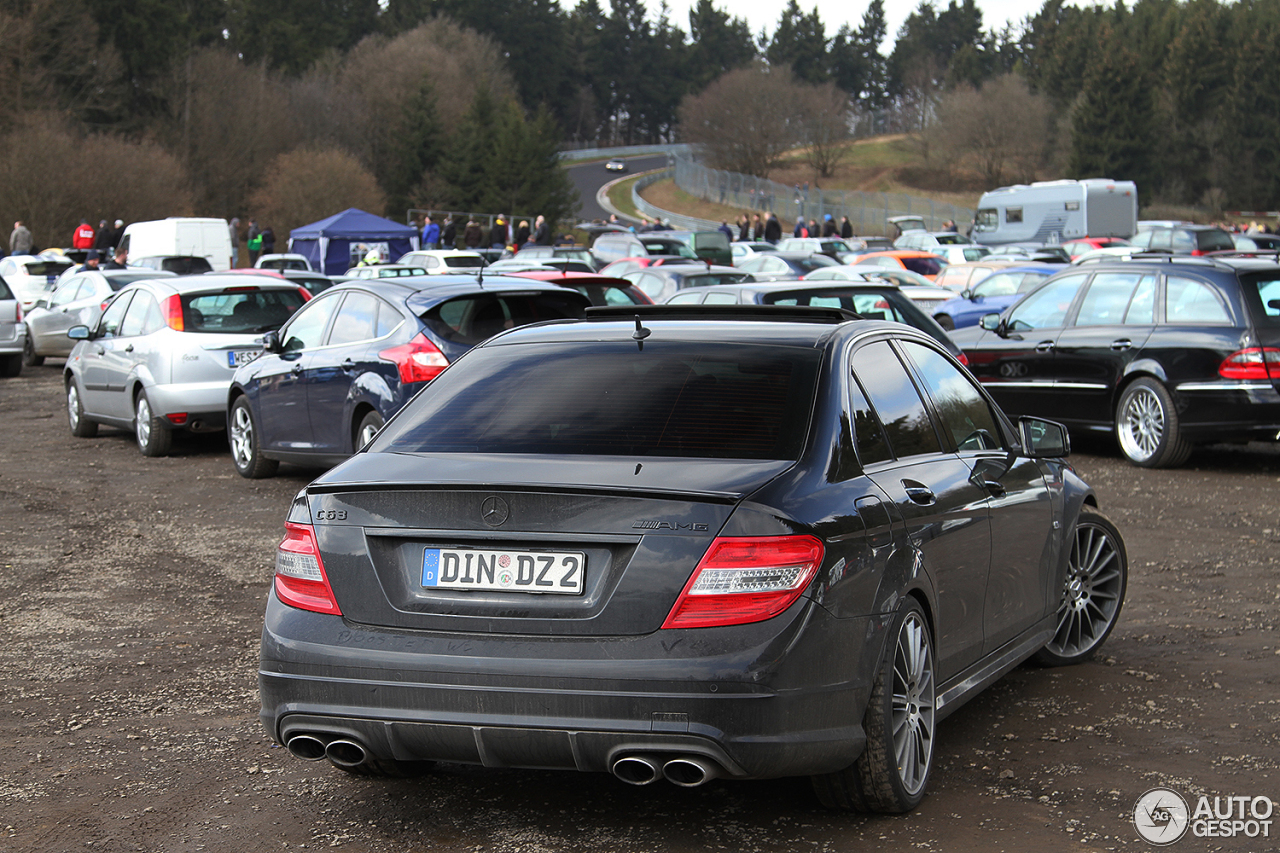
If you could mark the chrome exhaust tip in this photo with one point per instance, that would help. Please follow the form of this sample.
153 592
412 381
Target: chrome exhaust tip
345 753
689 771
306 747
636 769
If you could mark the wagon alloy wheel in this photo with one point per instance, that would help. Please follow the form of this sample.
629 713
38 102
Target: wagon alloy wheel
1092 592
1147 426
243 437
891 774
29 356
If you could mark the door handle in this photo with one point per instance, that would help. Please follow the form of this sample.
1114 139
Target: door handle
1121 345
348 365
919 493
296 370
129 348
1044 346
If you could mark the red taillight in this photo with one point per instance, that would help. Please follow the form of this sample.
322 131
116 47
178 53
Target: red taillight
963 359
173 313
418 361
18 319
1252 363
300 578
746 579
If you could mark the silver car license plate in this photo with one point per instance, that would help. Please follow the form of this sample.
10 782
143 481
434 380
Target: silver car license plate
239 357
542 572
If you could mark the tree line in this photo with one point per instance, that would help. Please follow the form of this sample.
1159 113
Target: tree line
237 104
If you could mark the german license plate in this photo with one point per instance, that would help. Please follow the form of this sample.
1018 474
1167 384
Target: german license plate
239 357
542 572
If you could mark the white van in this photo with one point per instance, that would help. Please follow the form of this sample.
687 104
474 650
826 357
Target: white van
180 236
1056 212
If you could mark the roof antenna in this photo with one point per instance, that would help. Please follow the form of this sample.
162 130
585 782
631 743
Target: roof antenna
640 334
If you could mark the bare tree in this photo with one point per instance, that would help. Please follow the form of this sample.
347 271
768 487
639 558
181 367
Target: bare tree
1000 130
825 123
99 177
308 184
745 120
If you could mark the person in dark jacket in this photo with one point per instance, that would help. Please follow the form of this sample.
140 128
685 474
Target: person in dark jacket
773 229
471 235
522 232
744 228
828 226
104 239
498 234
268 241
541 231
800 230
449 237
846 227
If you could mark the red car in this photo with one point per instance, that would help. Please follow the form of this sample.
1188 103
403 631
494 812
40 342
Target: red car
1076 248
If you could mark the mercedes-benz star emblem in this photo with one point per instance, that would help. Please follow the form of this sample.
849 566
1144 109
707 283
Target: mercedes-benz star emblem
495 512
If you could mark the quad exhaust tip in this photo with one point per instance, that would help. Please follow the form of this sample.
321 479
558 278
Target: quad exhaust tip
689 771
306 747
345 753
637 769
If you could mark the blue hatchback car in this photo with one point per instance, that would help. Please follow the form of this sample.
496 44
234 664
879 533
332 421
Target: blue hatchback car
994 293
354 355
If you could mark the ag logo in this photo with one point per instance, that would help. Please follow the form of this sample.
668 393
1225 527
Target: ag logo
1161 816
1012 369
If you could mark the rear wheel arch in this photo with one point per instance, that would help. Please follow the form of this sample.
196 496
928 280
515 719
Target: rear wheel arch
1146 367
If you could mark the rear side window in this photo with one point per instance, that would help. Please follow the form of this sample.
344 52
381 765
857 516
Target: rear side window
5 292
669 399
1214 240
478 317
897 404
1263 295
239 310
1188 300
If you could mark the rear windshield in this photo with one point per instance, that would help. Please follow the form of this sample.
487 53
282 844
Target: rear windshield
709 279
242 309
682 399
46 268
478 317
1214 240
119 280
924 266
813 262
463 261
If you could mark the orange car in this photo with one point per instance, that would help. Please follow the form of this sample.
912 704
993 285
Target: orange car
926 264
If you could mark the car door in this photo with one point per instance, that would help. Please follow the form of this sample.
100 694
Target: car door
1016 363
930 490
333 368
1111 326
48 328
130 348
1018 590
98 355
280 378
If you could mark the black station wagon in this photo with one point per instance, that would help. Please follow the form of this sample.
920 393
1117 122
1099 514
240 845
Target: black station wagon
1167 352
683 542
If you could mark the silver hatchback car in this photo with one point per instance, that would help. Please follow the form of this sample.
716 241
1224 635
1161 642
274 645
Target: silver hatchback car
162 355
77 301
12 333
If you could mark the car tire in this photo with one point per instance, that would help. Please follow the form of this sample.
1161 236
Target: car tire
29 357
154 439
1147 427
387 768
1092 591
81 427
945 321
242 435
367 429
11 365
891 775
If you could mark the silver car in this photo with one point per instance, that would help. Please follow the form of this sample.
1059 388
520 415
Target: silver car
12 332
77 301
162 355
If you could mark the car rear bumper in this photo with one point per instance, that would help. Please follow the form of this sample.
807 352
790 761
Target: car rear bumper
785 709
1225 410
205 402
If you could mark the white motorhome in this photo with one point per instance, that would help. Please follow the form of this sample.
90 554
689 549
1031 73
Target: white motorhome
180 236
1057 211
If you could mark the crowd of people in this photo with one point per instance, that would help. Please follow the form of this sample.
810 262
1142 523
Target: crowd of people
441 232
767 228
102 240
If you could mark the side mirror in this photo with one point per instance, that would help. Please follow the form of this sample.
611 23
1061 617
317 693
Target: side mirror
79 333
991 322
1043 439
271 342
966 294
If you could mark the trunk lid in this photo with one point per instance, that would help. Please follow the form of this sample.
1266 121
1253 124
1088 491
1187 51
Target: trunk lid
639 527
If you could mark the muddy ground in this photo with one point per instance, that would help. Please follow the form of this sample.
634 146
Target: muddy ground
133 591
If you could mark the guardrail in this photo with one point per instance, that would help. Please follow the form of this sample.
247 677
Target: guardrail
676 220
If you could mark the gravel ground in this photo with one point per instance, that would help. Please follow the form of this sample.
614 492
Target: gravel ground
134 591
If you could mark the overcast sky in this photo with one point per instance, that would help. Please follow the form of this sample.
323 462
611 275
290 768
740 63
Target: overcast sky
764 13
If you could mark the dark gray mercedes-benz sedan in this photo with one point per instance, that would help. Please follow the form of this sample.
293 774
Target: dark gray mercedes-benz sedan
683 542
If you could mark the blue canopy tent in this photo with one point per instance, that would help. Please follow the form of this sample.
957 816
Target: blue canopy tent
328 244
